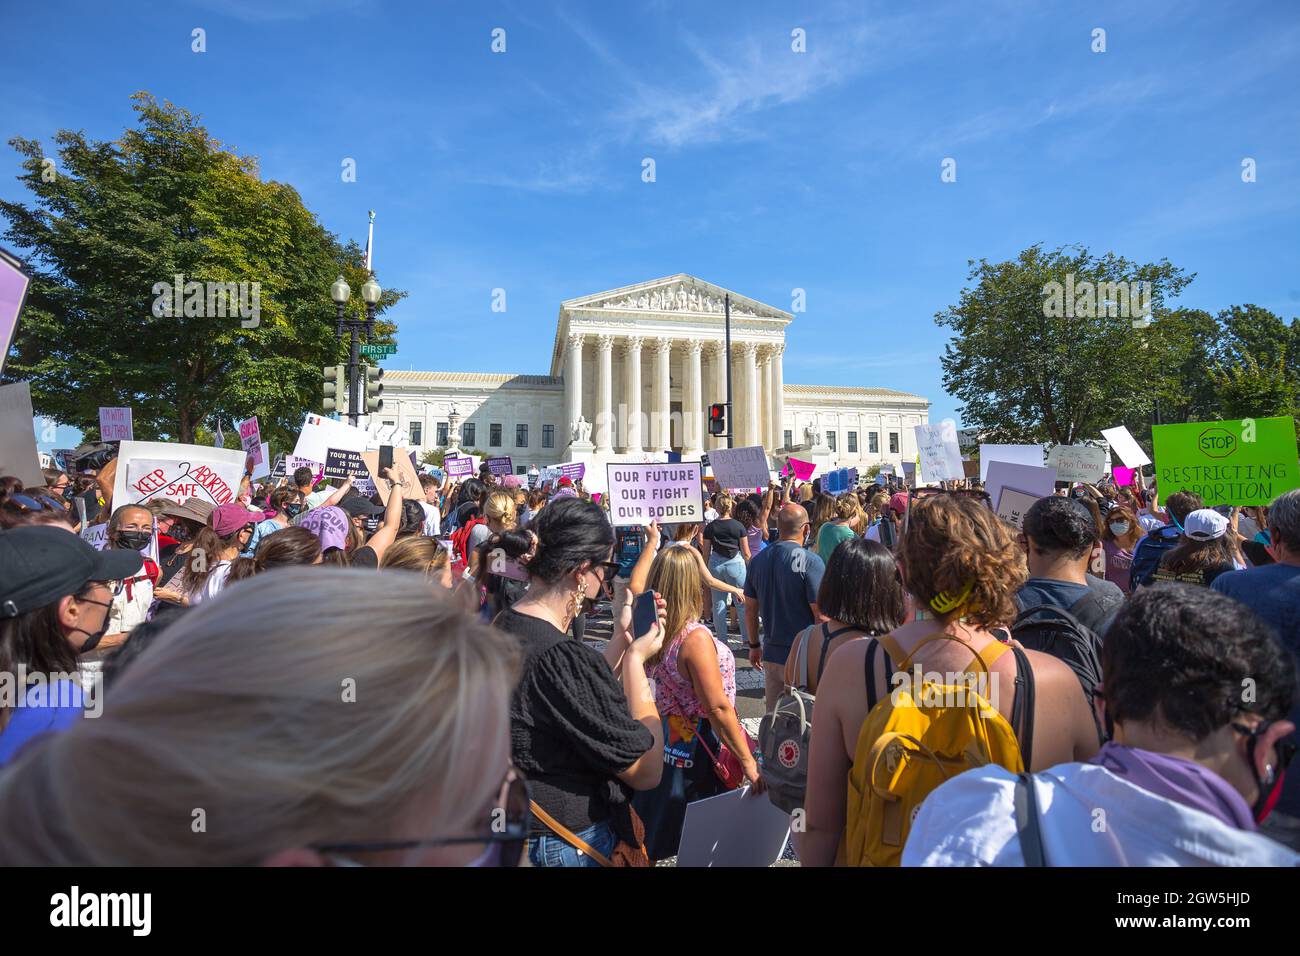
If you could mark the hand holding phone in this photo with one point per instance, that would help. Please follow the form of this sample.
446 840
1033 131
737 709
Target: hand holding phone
644 614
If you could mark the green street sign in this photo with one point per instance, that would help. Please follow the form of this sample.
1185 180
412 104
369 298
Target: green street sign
378 349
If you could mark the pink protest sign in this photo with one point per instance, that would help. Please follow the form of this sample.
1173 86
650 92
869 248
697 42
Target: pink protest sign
803 470
1124 476
250 439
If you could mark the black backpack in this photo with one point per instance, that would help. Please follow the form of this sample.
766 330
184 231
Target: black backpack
1054 630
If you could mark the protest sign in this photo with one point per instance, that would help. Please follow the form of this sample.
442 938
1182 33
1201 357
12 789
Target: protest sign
292 463
1239 462
500 466
459 467
970 469
575 471
887 469
401 468
1028 479
881 479
1123 444
803 470
278 470
341 463
740 468
150 469
320 434
669 494
909 473
62 458
262 468
1078 462
115 424
1012 454
737 828
939 451
13 293
1124 476
1013 504
18 455
250 439
96 536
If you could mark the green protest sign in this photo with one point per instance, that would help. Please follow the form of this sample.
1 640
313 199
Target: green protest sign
1247 461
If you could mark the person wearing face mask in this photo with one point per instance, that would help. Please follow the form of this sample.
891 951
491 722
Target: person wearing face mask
130 529
1192 768
1120 535
55 596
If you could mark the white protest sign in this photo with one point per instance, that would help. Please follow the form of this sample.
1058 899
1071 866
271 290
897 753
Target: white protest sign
96 536
940 452
250 439
669 494
1013 454
1029 479
319 434
115 424
1078 462
738 828
18 454
740 468
263 468
1013 504
1124 445
152 469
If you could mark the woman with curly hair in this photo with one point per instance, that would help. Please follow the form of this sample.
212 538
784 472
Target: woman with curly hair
962 567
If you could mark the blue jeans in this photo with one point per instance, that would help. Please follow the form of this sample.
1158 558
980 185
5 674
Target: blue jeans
551 850
729 571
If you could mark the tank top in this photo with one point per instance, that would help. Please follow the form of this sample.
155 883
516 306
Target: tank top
674 695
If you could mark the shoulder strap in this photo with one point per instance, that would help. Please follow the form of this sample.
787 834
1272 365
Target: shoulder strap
568 836
1028 826
869 666
827 636
1022 708
801 658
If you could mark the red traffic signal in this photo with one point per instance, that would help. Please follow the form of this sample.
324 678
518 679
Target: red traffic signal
718 419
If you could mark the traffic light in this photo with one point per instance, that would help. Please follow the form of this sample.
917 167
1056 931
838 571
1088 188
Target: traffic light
718 419
334 388
373 380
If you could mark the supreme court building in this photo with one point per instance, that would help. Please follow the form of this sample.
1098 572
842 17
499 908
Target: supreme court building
631 376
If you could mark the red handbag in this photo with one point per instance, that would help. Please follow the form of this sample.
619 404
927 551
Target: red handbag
726 765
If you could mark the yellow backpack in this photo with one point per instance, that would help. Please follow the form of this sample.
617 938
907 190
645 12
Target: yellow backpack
921 734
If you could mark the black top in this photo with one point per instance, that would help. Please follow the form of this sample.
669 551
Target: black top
570 730
170 561
364 557
725 534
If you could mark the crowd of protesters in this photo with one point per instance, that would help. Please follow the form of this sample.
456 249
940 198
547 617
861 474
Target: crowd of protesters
424 693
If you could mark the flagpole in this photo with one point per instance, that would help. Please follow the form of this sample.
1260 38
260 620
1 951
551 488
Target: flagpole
370 241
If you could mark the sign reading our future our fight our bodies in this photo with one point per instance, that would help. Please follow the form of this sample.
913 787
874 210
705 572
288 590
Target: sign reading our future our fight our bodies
149 469
1248 461
667 493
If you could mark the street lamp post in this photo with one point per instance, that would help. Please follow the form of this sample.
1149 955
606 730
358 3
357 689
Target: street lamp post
341 292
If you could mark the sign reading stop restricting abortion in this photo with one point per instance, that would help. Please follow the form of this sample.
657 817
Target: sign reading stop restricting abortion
669 494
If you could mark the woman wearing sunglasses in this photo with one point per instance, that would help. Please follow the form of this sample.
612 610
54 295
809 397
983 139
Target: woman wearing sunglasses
374 730
1196 690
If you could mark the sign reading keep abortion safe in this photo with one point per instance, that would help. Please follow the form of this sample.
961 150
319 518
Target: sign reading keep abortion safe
669 494
1248 461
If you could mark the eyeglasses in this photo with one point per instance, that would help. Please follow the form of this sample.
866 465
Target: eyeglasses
511 820
1285 749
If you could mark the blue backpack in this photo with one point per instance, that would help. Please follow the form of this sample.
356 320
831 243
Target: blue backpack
1149 552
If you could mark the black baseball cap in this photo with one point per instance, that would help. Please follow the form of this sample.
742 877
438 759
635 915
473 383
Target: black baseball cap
43 564
357 506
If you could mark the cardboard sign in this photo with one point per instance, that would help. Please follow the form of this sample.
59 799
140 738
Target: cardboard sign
115 424
970 469
460 467
1123 444
1123 476
341 463
1012 454
500 466
1013 504
740 468
320 434
148 470
1240 462
669 494
939 451
1078 462
250 439
1029 479
18 454
737 828
401 467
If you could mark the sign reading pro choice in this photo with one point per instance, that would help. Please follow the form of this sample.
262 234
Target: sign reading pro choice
1247 461
669 494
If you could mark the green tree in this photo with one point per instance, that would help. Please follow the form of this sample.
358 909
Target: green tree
1251 389
120 218
1028 372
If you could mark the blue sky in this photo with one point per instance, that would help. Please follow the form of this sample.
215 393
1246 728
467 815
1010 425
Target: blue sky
775 170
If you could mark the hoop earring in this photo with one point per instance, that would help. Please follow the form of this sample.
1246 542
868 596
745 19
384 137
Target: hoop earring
578 597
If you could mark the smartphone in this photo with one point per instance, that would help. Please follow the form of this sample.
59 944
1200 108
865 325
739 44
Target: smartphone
385 458
644 614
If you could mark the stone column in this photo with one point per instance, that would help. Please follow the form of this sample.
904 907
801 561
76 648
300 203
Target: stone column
632 380
604 396
693 412
715 390
572 384
752 419
661 419
763 410
777 399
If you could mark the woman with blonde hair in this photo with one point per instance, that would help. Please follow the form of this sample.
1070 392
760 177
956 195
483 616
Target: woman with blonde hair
694 677
286 548
726 554
960 564
374 731
840 527
421 554
499 514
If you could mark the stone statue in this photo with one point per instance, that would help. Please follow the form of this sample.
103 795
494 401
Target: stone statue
581 430
812 436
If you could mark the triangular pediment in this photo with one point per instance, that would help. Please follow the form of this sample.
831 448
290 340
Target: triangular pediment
681 295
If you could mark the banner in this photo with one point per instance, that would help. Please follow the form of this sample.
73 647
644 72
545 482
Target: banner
459 467
669 494
115 424
250 439
320 434
939 451
341 463
1078 462
740 468
500 466
1246 461
18 454
150 469
1012 454
1027 479
1123 445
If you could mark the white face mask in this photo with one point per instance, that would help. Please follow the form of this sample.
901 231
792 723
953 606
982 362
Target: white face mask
1119 527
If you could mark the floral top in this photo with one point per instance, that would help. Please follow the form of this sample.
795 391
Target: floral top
674 694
